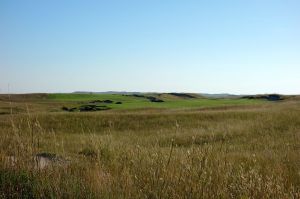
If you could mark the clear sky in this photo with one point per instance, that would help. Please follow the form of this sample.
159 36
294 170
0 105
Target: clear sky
215 46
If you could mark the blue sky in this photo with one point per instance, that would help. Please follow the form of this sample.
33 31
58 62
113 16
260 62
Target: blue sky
215 46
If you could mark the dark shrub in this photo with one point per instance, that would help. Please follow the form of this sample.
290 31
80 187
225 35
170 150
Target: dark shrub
65 108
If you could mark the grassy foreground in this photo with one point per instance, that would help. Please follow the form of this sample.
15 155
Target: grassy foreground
248 151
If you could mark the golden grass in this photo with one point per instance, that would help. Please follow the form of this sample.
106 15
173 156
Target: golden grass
244 152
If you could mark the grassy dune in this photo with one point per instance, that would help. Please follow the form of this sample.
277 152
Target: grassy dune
54 102
250 150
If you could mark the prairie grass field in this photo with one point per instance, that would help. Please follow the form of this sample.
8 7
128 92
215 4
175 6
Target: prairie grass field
190 147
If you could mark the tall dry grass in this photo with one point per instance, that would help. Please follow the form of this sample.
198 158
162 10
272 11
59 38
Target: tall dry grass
232 153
